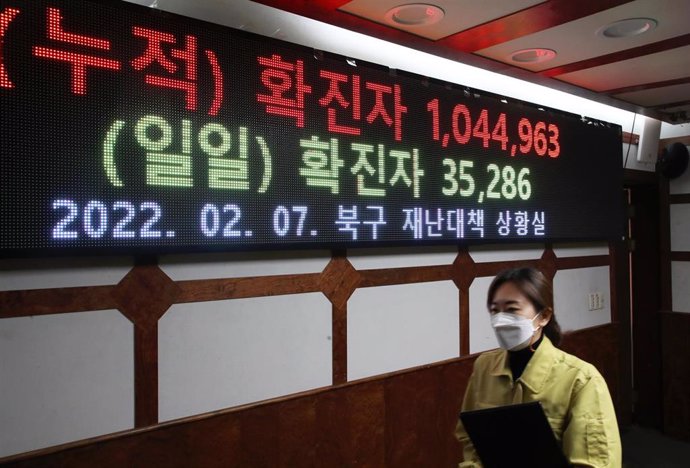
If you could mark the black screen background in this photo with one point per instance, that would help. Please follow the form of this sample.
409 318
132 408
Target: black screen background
51 145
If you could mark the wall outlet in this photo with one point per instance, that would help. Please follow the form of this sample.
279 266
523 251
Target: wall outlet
595 301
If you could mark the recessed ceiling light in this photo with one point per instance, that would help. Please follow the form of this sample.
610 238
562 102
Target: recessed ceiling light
532 55
414 14
628 27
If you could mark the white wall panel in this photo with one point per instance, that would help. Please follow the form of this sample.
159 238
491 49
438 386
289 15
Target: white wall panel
214 355
482 336
499 253
243 264
571 289
395 327
401 257
680 283
63 378
680 227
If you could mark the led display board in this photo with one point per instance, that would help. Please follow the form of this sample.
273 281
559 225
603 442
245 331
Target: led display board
128 129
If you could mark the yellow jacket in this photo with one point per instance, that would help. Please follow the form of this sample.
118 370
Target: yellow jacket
572 392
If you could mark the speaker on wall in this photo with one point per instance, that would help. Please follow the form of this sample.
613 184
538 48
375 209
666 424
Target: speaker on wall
673 160
648 148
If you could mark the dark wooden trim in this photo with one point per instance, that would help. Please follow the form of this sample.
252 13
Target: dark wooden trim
493 268
23 303
588 330
645 294
670 105
679 198
675 329
646 86
631 138
569 263
143 296
391 276
464 272
667 141
548 262
613 282
620 313
238 288
522 23
637 177
145 375
339 279
463 269
635 52
55 301
339 344
308 9
675 313
680 256
665 276
464 311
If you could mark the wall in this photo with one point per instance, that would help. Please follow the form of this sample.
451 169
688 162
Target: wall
402 419
236 329
342 342
630 159
675 324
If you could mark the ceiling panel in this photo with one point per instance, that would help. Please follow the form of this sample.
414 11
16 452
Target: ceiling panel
680 112
459 14
660 96
579 40
484 33
654 68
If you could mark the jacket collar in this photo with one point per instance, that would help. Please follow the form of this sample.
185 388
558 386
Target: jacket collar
537 370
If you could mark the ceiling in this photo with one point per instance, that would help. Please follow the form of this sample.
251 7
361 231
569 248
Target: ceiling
647 73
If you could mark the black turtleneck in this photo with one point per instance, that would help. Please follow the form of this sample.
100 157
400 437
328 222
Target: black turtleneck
518 359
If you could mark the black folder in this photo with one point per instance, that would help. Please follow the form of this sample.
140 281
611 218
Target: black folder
514 436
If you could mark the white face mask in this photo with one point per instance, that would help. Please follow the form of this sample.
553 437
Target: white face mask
513 331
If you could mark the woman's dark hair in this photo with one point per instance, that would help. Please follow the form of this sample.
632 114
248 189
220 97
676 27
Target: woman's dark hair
537 288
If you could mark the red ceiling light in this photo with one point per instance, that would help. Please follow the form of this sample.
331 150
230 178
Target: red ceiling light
414 14
533 55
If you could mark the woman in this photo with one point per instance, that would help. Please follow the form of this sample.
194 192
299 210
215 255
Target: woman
529 367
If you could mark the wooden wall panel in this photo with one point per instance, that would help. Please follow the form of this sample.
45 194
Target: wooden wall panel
403 419
55 301
421 411
675 332
400 419
599 346
675 327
